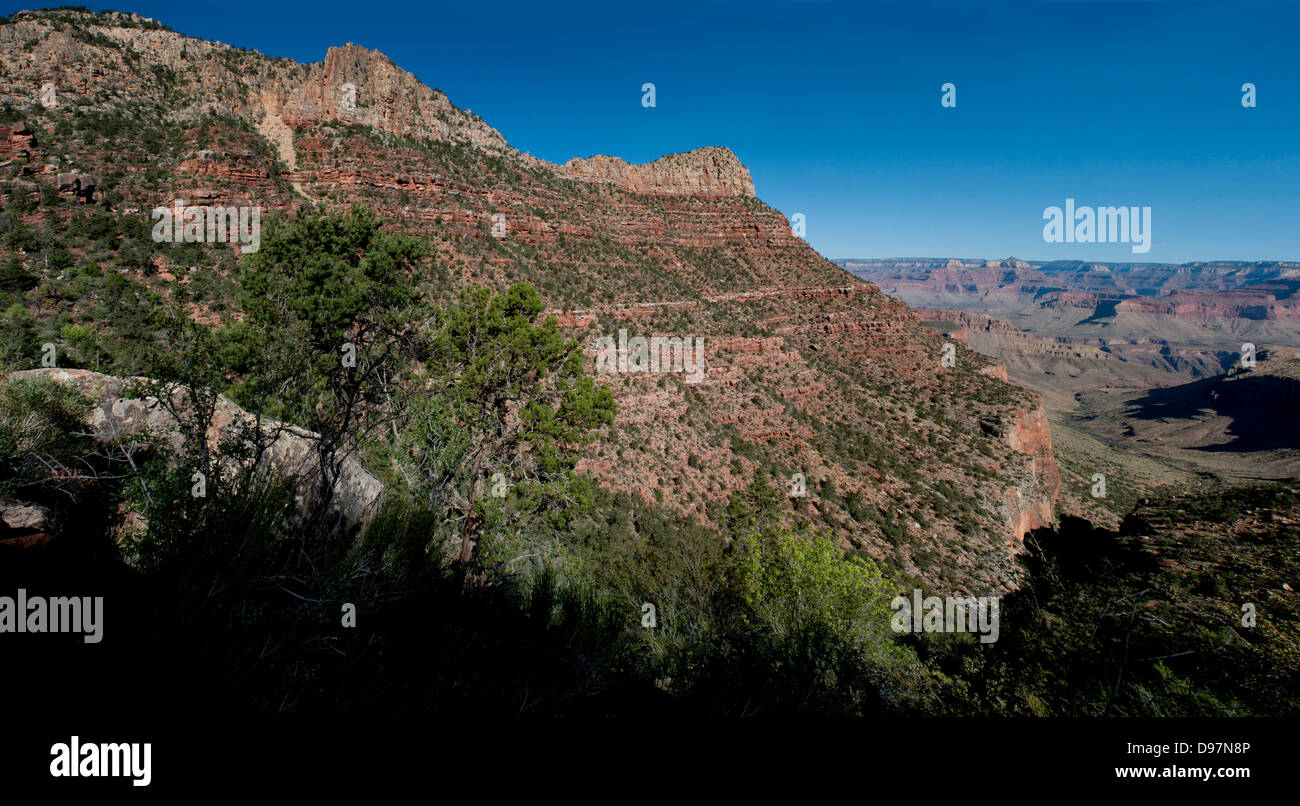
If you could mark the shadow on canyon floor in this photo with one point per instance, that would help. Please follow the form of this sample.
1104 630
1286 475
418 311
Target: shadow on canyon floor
1261 409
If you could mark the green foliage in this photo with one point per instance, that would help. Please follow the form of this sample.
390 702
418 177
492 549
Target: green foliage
1149 621
796 586
499 431
322 290
758 507
316 283
19 342
15 277
43 437
19 237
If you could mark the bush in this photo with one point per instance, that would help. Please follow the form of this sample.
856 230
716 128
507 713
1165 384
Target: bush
42 436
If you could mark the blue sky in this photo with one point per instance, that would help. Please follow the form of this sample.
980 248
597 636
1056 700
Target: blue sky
835 107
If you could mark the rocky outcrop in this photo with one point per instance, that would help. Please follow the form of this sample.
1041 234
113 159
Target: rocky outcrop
358 85
117 415
16 139
1031 504
996 370
80 185
991 336
705 172
25 525
25 516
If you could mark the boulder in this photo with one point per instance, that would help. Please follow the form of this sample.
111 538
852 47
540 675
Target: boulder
80 185
25 516
357 494
86 189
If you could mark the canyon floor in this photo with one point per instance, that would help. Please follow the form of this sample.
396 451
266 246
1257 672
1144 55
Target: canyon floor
1143 368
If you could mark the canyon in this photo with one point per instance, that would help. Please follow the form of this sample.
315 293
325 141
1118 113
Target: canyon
1107 346
447 429
938 472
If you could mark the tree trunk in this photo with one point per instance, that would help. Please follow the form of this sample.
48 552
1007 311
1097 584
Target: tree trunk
472 528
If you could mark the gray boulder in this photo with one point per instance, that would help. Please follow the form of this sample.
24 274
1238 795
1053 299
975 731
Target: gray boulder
357 495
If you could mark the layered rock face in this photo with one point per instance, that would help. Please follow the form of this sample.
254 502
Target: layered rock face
706 173
1033 505
16 139
1244 303
1078 327
996 337
936 470
1194 291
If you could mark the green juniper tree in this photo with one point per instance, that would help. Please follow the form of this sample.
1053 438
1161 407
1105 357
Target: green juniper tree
332 318
507 409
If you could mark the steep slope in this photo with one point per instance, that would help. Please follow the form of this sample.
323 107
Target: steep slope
813 380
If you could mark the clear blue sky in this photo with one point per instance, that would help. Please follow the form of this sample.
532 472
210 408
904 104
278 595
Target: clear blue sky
835 107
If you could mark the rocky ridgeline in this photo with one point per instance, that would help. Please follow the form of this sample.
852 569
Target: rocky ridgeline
1244 303
220 79
995 337
1262 290
214 78
706 173
807 369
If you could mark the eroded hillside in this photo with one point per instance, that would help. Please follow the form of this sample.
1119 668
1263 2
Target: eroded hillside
809 374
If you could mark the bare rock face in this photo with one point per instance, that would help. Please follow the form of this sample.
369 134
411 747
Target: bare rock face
25 516
712 172
1032 503
15 139
116 414
80 185
1030 500
25 525
357 85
